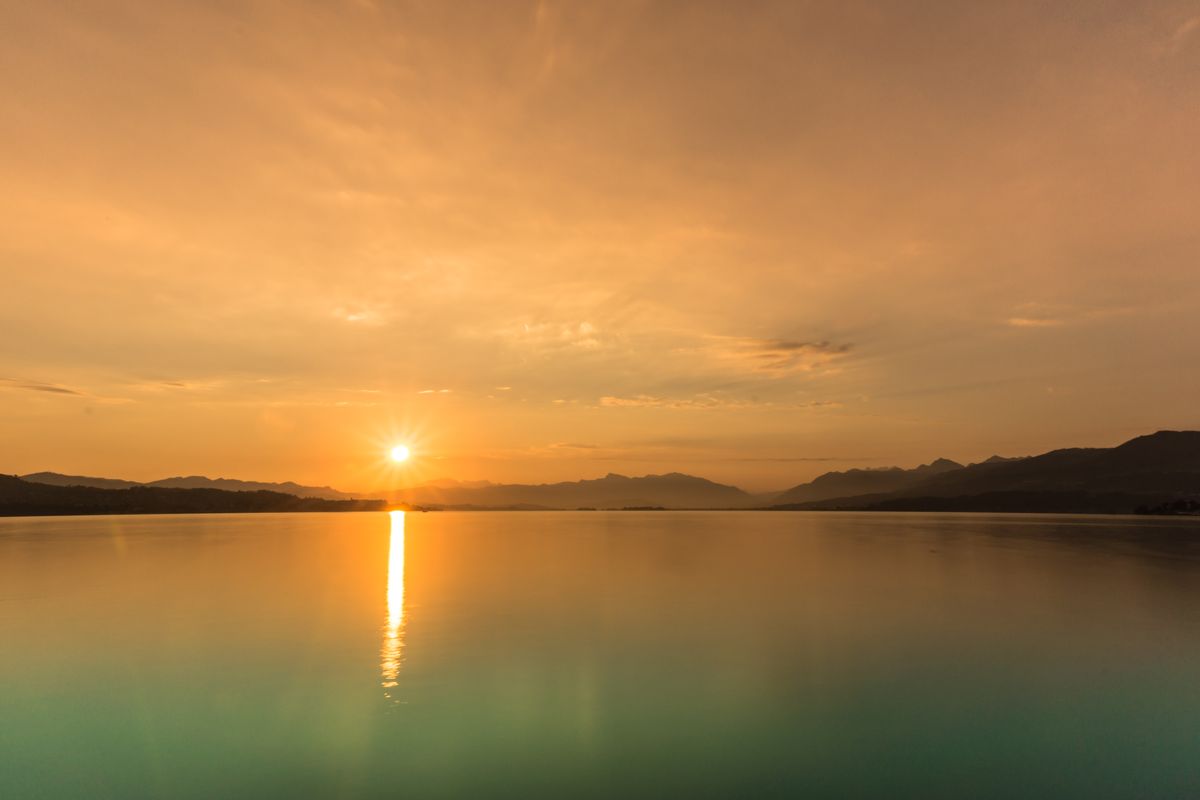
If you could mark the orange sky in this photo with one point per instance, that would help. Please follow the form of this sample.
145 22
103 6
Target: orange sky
544 241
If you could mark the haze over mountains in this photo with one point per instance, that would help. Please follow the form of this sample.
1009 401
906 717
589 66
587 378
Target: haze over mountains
191 482
29 498
673 490
862 481
1146 471
1149 471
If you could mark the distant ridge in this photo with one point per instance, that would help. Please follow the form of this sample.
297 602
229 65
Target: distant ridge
862 481
27 498
1150 471
451 483
232 485
999 459
190 482
673 490
1157 473
57 479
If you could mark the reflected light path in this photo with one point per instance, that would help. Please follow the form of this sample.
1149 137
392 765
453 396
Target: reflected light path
392 654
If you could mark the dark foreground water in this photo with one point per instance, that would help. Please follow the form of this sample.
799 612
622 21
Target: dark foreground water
600 655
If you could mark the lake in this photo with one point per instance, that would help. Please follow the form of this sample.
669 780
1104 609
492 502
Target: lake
622 654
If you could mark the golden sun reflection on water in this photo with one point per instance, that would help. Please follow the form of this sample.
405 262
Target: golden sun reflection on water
392 654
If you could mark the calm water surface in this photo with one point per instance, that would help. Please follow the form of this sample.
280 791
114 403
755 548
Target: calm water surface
600 654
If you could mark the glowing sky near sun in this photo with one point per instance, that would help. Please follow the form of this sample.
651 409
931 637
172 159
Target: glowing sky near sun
553 240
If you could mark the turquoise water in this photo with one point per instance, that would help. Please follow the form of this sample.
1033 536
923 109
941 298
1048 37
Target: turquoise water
600 654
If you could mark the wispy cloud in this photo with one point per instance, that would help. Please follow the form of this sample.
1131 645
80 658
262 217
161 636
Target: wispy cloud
550 336
360 316
37 386
1054 315
706 401
173 385
802 459
775 356
1034 322
1181 35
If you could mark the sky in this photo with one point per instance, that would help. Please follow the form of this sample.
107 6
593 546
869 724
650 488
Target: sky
548 241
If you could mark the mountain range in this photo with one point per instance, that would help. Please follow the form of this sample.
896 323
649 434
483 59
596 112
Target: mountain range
190 482
673 490
29 498
862 481
1144 472
1152 471
1148 471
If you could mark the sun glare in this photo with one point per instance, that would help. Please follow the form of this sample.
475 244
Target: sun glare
399 453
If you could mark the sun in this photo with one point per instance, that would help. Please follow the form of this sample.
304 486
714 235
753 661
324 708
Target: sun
399 453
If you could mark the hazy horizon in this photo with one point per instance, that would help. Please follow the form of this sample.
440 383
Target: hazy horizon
537 242
449 478
446 480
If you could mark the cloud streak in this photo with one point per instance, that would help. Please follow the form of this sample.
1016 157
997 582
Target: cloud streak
1034 322
775 357
35 386
708 402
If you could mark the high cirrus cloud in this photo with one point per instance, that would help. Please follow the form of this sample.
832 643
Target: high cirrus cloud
775 356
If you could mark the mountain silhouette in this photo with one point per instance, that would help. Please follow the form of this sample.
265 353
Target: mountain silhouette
1149 470
862 481
190 482
673 490
26 498
58 479
1159 472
